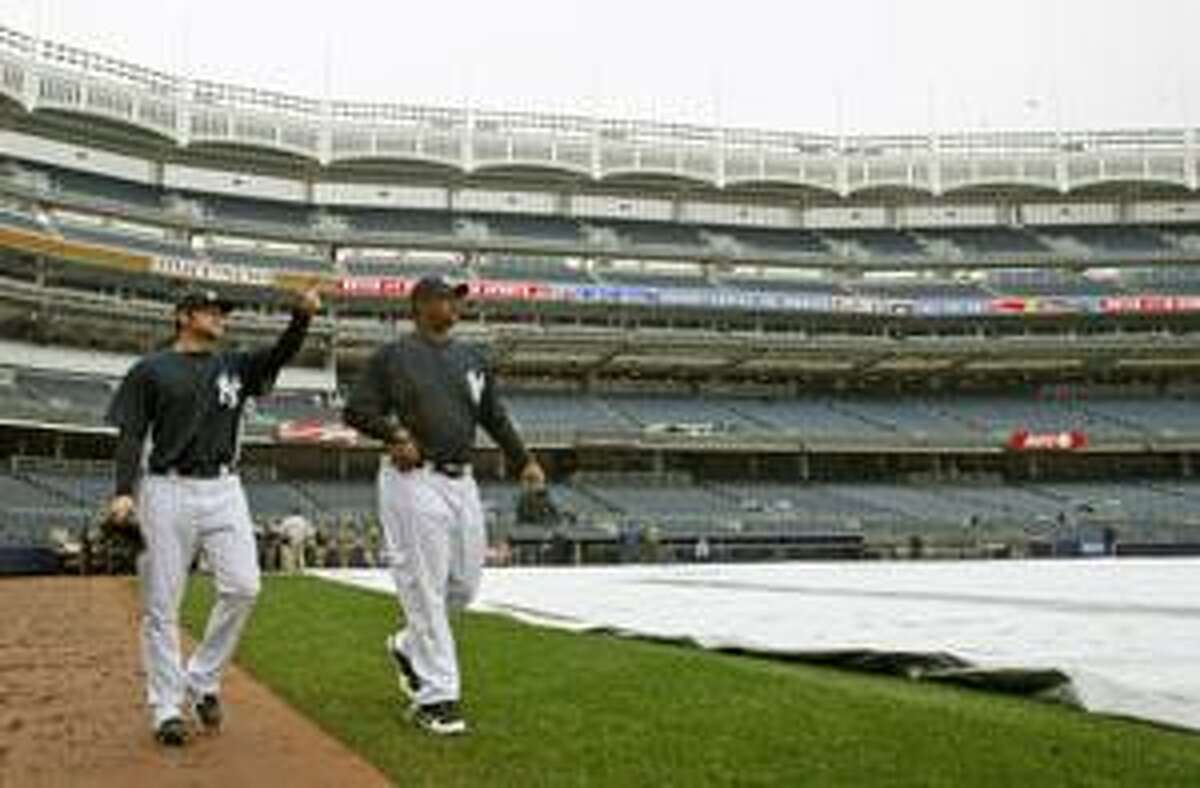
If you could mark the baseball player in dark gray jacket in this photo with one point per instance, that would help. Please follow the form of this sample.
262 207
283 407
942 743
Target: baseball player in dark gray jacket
423 396
188 400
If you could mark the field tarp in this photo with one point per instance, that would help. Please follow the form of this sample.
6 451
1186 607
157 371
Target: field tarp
1115 636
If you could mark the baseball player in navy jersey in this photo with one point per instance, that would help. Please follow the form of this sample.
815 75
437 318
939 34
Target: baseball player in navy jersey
188 399
423 396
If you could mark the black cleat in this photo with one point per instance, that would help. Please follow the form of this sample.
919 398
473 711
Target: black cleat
171 733
207 709
443 718
407 678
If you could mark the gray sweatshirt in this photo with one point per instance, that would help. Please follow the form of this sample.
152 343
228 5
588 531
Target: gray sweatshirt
439 393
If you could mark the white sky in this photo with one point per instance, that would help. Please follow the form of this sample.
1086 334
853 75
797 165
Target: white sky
846 65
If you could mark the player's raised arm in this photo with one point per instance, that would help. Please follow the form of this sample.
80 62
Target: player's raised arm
262 366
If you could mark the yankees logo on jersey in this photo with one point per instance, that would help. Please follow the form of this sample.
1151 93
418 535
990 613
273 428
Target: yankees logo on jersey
229 390
475 382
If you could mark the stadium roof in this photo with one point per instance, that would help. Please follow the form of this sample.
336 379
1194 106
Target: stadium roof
49 77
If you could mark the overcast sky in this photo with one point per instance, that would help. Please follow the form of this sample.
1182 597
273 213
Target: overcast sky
845 65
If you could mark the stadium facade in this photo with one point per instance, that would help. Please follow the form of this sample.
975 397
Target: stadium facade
761 337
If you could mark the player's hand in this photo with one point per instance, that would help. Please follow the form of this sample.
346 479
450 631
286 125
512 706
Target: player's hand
532 476
404 451
120 509
310 300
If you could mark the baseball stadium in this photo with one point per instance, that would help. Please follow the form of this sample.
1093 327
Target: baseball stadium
947 378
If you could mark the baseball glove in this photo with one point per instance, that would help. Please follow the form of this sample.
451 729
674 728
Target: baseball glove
536 507
122 538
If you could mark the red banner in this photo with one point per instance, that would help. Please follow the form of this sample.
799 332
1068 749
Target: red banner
1149 304
315 431
1024 440
486 289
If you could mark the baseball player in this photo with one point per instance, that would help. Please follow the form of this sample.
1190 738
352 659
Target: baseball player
188 399
423 396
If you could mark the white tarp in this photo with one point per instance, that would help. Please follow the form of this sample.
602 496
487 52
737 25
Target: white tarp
1126 632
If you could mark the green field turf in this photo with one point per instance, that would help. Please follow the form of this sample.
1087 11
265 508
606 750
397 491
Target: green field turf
554 708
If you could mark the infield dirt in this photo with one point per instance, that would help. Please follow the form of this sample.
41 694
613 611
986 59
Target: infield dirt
72 712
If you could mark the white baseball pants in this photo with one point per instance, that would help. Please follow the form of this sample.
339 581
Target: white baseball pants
178 516
434 535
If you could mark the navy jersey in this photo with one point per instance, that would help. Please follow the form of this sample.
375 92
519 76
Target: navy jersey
191 405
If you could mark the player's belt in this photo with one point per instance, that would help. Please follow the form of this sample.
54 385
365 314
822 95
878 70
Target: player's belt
202 471
454 470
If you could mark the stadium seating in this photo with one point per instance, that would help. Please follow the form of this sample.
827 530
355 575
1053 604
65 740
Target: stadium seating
916 418
854 419
917 288
402 222
1038 282
1165 280
574 503
256 259
532 228
791 286
1162 417
16 492
810 420
650 411
989 240
880 243
296 405
264 212
66 393
619 382
1000 416
398 267
110 190
771 242
532 269
122 240
564 412
70 489
21 220
48 500
341 497
669 507
654 233
651 278
1110 239
275 499
801 502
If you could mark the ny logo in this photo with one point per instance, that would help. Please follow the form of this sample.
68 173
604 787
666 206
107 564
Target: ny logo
229 390
475 381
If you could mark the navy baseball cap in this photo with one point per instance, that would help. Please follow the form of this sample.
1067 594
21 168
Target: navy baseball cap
202 299
433 286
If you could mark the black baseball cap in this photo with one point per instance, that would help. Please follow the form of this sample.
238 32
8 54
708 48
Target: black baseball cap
433 286
202 299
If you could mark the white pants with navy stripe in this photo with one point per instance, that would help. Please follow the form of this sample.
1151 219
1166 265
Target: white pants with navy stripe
179 516
434 533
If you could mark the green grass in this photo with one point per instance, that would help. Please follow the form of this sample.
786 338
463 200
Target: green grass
554 708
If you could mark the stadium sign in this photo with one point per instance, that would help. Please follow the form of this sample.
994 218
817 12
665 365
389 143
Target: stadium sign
754 300
373 287
1068 440
225 273
1149 304
1040 305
